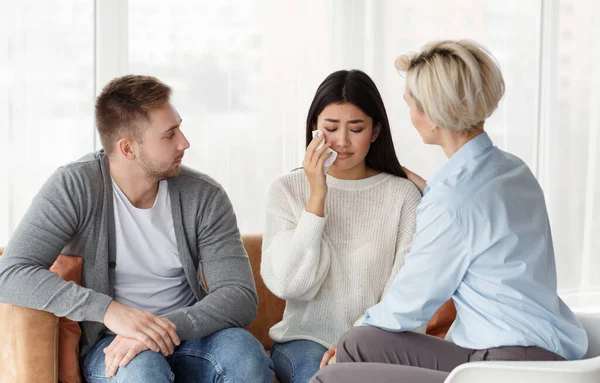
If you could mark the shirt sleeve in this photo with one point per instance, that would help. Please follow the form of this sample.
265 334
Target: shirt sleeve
432 272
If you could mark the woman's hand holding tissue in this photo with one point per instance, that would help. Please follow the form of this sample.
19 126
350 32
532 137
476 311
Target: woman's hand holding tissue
313 164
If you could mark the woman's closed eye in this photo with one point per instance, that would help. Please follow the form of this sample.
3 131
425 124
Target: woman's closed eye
331 130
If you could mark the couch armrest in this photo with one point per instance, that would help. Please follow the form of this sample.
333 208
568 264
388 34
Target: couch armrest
29 346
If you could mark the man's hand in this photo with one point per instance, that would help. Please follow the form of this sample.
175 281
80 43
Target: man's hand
329 357
156 333
120 352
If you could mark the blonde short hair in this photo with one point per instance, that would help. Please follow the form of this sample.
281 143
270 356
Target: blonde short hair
458 84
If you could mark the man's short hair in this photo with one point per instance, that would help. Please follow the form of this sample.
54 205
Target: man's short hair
124 103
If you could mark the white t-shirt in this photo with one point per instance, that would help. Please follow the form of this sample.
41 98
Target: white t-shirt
148 274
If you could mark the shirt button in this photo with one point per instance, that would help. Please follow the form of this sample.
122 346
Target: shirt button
112 264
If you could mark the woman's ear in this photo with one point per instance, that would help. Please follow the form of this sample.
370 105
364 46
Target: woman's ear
376 131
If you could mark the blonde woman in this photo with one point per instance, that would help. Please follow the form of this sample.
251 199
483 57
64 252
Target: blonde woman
482 239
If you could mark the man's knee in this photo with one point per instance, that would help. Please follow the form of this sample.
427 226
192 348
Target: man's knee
144 367
147 366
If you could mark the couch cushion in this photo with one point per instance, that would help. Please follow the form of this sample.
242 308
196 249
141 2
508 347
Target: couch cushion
270 308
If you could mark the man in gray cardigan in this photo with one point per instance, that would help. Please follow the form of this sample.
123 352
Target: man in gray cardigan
148 229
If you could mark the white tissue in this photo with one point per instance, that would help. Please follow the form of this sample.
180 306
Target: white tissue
331 159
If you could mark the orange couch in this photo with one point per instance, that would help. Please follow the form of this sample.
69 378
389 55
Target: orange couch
32 355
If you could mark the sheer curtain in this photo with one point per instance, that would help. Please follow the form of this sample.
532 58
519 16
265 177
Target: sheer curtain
244 73
46 96
570 147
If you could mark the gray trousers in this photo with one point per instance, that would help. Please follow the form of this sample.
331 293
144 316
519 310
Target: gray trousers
406 357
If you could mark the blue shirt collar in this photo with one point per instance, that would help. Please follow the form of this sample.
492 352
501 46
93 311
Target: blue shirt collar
467 152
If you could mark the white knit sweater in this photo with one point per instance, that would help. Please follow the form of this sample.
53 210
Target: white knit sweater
331 269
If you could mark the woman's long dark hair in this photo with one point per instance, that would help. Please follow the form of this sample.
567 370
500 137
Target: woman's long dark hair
357 88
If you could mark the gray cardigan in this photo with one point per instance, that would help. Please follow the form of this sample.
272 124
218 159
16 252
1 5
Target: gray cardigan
73 214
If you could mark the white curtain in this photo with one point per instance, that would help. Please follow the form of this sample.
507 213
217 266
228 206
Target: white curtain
244 73
46 96
569 142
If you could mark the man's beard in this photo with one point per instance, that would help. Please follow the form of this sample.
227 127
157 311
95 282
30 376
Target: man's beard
155 170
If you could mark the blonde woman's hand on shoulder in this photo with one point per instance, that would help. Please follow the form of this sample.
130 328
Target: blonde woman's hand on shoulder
416 179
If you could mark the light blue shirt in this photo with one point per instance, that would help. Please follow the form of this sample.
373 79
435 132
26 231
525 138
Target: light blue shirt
483 239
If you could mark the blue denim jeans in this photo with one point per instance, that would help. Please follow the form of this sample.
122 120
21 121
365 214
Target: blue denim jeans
296 361
230 355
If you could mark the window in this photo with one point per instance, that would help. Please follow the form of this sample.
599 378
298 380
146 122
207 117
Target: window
244 73
46 96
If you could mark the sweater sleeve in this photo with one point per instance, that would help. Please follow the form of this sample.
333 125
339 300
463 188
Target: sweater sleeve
406 231
404 238
51 221
232 299
295 255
